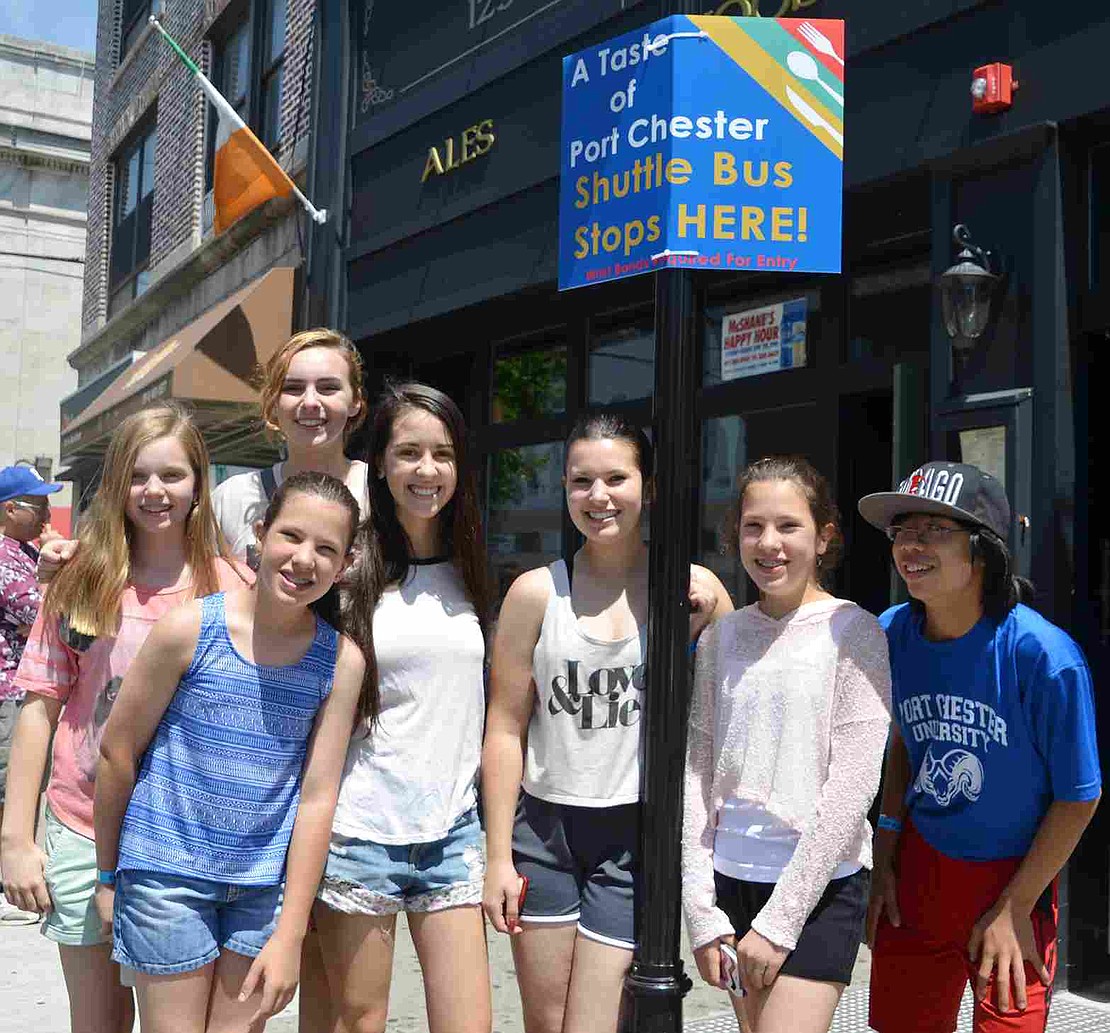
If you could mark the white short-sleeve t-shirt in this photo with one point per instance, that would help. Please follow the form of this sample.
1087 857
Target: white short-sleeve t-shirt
241 500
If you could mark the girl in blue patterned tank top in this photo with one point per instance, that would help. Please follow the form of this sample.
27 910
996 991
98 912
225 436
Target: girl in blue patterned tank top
219 771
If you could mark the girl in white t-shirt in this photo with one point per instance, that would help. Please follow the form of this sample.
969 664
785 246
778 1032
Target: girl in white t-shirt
406 835
788 722
310 394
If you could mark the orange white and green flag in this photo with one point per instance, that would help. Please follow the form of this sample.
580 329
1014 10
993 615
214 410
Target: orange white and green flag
246 174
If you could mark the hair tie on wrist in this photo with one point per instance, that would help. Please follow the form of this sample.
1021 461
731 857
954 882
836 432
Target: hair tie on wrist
889 824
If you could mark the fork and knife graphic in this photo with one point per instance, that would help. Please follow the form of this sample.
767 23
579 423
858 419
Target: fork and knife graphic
803 65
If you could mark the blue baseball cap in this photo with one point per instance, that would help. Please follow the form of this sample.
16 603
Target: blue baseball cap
16 481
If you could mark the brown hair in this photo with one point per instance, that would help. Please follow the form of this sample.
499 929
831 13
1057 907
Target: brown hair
352 616
611 426
271 375
87 590
818 495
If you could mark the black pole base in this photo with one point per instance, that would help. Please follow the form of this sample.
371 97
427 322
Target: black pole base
653 998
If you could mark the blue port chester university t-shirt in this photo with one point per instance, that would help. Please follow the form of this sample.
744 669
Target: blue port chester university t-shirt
998 723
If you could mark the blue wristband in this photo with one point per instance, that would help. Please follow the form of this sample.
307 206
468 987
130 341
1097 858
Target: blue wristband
889 824
693 647
106 877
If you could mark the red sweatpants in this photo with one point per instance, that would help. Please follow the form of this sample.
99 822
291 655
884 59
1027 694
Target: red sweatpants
919 970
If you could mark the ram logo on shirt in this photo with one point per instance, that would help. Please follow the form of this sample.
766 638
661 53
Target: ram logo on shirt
958 773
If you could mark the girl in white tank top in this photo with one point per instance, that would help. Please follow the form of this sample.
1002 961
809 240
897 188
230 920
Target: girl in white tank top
567 688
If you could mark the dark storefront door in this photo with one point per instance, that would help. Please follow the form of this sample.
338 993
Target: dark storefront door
1089 871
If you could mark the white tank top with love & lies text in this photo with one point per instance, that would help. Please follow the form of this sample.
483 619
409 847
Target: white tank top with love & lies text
584 734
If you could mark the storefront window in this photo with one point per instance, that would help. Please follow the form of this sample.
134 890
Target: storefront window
529 384
622 365
724 451
525 509
729 443
760 335
889 312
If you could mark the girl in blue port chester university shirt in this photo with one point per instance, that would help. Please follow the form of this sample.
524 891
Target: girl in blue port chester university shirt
219 772
992 772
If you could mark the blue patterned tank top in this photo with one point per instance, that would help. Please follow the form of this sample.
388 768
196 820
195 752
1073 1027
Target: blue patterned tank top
218 787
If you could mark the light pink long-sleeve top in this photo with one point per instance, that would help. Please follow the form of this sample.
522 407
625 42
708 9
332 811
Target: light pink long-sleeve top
793 715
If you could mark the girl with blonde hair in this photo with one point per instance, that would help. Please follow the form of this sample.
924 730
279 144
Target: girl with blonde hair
311 396
148 544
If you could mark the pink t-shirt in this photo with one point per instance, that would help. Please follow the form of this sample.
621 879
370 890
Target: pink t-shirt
85 677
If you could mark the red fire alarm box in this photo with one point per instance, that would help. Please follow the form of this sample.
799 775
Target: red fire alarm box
992 88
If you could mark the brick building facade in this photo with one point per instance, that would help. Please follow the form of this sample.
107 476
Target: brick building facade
154 265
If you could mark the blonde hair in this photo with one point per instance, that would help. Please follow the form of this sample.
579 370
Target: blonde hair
271 375
87 590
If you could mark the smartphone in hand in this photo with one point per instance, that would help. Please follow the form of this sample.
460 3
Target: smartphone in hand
730 970
523 894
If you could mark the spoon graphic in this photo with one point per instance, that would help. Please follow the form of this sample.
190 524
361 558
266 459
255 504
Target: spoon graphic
804 66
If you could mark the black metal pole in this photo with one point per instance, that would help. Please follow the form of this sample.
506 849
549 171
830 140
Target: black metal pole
656 982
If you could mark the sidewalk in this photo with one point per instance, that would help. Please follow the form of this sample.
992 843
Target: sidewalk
33 998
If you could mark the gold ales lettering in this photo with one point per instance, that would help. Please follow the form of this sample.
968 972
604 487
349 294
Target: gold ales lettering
473 142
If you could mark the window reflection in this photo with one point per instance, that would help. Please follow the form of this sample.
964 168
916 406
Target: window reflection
529 384
889 312
525 527
622 365
724 453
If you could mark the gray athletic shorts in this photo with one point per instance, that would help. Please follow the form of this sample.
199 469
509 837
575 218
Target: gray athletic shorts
581 867
9 713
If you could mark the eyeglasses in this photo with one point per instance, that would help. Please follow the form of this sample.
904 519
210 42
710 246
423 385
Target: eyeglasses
34 507
930 534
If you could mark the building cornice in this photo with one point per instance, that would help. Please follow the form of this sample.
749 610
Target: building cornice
33 48
36 159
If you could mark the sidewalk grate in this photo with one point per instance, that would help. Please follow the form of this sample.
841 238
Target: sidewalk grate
1069 1014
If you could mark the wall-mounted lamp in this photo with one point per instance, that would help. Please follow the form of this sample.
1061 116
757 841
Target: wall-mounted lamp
966 291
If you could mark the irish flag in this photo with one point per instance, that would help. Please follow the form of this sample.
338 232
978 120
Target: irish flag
246 174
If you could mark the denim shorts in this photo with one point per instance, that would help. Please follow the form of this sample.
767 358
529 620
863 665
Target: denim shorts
366 878
581 867
164 924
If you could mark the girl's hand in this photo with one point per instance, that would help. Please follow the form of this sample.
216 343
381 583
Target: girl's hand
708 958
105 899
24 883
277 970
703 602
55 554
760 960
501 897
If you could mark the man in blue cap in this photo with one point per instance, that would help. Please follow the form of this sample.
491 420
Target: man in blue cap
24 511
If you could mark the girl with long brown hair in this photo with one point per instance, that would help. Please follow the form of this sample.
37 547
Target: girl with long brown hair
561 760
148 544
406 835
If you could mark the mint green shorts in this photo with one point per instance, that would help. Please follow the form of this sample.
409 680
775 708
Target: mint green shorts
71 879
